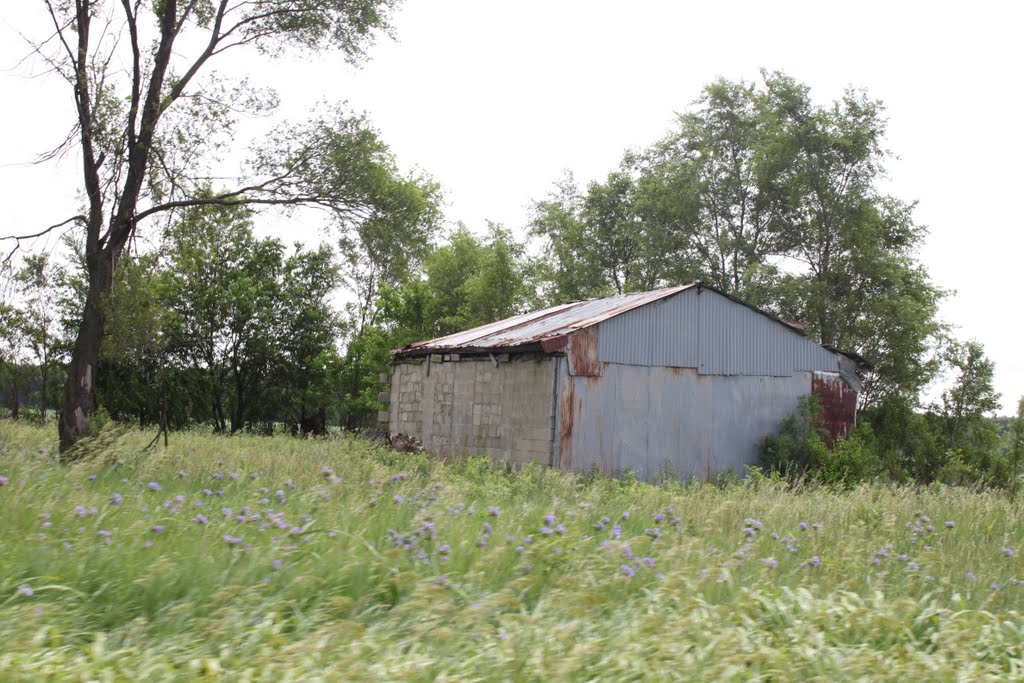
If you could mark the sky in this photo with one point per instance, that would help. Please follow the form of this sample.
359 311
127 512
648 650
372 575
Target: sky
496 100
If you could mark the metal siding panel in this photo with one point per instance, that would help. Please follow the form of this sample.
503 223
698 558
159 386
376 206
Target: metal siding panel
653 420
736 340
678 425
632 396
663 333
744 410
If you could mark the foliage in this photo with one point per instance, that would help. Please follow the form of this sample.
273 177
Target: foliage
852 460
31 347
1016 446
467 282
799 447
152 120
772 198
337 556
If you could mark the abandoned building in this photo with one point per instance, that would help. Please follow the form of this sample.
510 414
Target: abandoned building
683 381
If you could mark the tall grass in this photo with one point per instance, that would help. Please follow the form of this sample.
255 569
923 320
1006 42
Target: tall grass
276 559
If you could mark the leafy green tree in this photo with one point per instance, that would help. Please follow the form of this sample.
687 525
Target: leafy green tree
151 118
13 343
307 333
39 282
772 198
367 355
469 281
964 409
729 165
221 292
1017 445
569 268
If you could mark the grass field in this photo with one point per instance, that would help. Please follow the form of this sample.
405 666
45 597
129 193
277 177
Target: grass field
276 559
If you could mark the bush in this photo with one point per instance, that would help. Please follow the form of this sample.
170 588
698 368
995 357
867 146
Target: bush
799 447
800 450
851 461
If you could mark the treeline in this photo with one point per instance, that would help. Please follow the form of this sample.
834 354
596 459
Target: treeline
757 190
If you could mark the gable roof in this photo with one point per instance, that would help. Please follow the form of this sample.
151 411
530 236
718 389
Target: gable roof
539 326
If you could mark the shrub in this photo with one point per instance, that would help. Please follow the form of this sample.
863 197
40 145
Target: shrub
799 447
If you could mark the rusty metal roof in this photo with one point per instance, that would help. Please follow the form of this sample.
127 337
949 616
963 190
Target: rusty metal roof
538 326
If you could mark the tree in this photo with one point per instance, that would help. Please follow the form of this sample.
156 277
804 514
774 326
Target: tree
966 403
771 198
221 294
308 331
594 244
150 119
719 187
13 347
1017 445
39 281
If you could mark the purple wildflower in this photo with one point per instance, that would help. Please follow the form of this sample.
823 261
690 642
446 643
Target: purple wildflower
547 531
105 535
950 525
628 571
399 499
913 566
494 510
232 540
770 561
616 531
814 561
4 480
995 586
658 518
625 515
200 519
26 591
92 477
803 526
549 520
971 576
648 561
158 528
1007 551
154 486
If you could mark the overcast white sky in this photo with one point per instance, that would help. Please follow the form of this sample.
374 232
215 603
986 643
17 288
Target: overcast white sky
496 99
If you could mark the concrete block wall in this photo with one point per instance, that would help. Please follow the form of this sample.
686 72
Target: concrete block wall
470 406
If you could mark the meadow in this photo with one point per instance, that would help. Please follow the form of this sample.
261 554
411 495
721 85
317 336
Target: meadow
277 559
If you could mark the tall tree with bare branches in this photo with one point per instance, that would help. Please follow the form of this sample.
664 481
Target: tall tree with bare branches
152 119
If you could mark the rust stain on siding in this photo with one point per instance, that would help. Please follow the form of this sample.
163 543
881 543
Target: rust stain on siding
583 360
838 403
568 413
554 344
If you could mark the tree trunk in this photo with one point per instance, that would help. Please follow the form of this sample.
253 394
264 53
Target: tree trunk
79 402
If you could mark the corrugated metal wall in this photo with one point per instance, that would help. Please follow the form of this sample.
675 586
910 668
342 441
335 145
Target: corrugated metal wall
699 328
658 420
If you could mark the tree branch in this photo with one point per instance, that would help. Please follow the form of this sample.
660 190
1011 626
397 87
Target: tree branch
18 239
133 31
